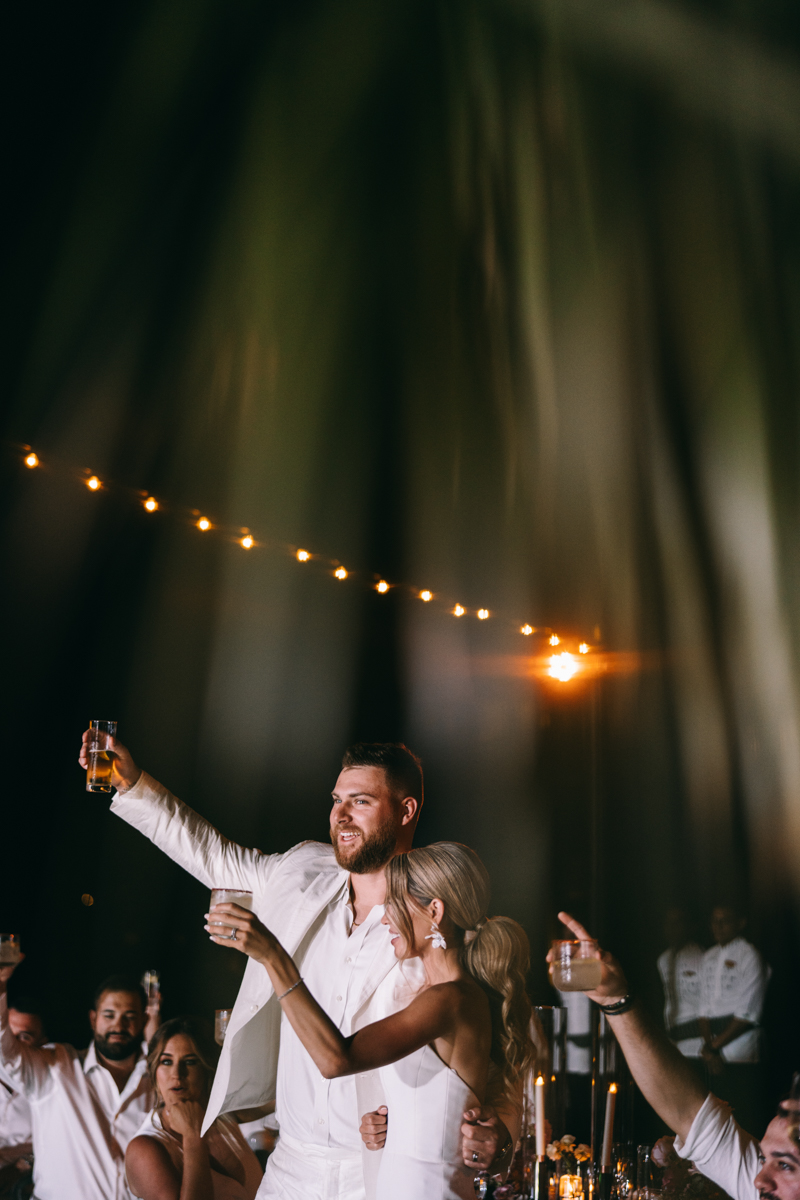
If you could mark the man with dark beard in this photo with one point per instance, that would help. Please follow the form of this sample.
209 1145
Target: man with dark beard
325 904
87 1106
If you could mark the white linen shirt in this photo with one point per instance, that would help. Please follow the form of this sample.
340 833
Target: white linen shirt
15 1125
733 985
722 1150
333 958
81 1122
681 974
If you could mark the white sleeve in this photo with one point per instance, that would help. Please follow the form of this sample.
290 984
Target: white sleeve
189 840
26 1068
722 1150
752 988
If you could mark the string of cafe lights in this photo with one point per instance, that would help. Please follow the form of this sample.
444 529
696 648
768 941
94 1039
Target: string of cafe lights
561 665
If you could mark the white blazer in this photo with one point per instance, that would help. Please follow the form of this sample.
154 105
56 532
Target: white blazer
289 892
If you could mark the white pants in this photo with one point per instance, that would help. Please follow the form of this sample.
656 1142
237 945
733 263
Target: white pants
299 1171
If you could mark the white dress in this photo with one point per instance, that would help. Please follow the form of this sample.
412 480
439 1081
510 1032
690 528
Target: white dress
224 1187
422 1156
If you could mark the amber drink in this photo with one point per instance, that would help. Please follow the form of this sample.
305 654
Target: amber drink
101 762
575 967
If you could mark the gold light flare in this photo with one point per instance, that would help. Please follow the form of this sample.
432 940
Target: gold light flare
459 611
93 483
302 556
527 630
426 595
554 639
150 504
382 587
340 573
583 648
483 614
247 542
31 460
204 524
563 666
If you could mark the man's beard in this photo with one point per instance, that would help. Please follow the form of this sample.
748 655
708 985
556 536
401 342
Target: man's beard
370 852
116 1051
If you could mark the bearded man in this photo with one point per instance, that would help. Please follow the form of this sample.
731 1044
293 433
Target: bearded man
85 1105
325 904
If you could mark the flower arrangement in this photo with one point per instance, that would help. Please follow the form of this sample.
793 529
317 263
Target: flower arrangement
568 1154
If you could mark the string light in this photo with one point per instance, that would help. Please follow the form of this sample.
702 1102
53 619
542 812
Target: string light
340 573
247 542
302 556
584 648
483 614
204 524
554 639
527 630
458 611
150 504
426 596
562 666
31 460
382 586
93 483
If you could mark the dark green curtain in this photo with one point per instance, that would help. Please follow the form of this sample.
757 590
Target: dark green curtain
500 299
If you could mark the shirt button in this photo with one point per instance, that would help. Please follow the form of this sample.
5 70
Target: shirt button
348 960
321 1121
338 997
254 1008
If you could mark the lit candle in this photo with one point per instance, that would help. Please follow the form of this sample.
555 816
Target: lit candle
608 1131
538 1113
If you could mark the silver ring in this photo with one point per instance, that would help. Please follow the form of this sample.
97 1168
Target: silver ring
232 937
475 1156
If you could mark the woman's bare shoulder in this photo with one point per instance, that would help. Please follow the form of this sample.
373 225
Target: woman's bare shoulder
151 1172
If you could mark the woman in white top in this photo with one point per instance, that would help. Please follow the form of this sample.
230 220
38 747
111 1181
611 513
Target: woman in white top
168 1159
462 1039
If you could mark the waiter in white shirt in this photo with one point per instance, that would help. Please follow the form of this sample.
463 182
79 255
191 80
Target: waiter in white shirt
325 903
681 969
734 984
85 1107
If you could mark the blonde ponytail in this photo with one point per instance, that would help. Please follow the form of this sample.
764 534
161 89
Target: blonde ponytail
495 951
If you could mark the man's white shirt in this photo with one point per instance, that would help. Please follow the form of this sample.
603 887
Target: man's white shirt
721 1150
15 1125
81 1122
681 974
734 982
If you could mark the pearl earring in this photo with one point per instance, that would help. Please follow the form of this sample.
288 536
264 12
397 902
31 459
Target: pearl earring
435 936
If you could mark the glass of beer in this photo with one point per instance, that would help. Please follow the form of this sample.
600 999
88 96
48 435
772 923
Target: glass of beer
575 967
151 982
10 952
101 764
221 895
221 1018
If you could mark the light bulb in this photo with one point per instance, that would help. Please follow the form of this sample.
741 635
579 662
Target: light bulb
562 666
150 504
31 460
246 541
483 614
584 648
302 556
426 596
554 639
527 630
93 483
340 573
382 586
204 524
459 611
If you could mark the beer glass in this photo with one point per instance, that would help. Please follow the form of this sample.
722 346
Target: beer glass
575 968
9 949
101 764
221 1018
151 982
221 895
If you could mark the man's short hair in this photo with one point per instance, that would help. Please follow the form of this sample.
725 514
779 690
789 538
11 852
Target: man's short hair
28 1005
119 983
403 768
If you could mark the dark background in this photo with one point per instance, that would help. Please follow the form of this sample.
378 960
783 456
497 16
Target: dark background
471 295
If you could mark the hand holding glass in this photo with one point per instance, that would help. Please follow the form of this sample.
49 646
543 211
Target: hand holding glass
10 952
101 764
220 895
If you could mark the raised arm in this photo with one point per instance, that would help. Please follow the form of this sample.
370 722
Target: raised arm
27 1068
191 841
429 1016
664 1077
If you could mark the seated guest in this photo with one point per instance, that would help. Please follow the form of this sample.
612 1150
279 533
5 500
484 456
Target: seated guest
85 1106
169 1159
708 1133
681 971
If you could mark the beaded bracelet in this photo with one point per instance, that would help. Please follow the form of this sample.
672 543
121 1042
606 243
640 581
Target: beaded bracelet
620 1006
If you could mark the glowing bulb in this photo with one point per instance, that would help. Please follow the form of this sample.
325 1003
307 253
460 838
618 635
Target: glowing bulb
204 524
302 556
612 1087
483 614
31 460
426 596
340 573
527 630
382 586
562 666
458 611
93 484
584 648
246 541
150 504
554 639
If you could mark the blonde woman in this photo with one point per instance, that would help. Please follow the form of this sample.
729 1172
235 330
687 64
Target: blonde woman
461 1041
168 1159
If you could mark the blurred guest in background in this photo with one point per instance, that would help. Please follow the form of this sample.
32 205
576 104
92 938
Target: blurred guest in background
85 1106
734 983
169 1159
681 970
16 1132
